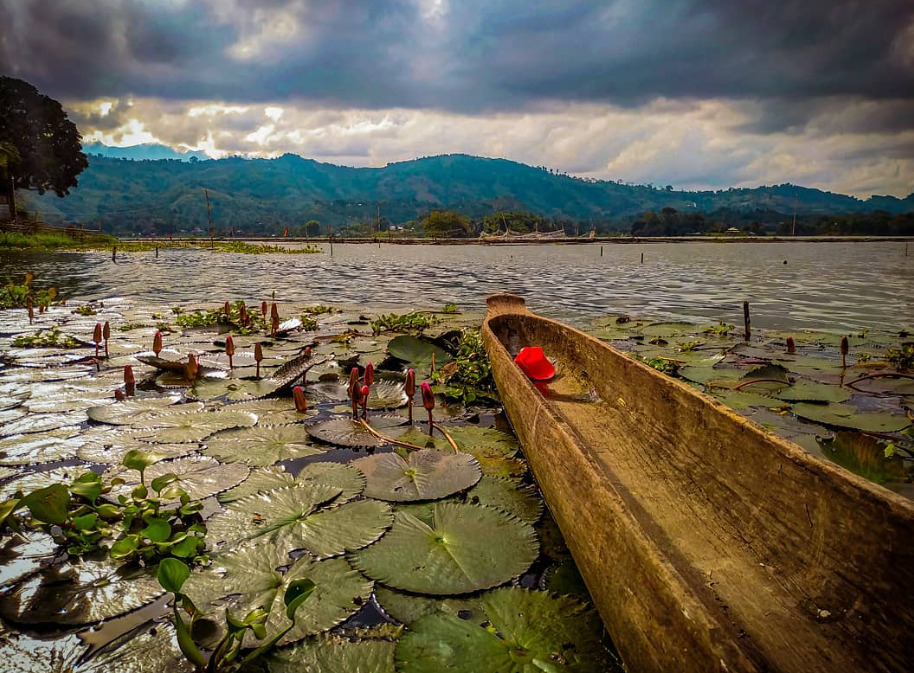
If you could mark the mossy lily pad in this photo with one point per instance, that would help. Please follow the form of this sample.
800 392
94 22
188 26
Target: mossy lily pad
507 495
530 631
406 608
40 447
846 416
137 409
343 431
232 389
261 446
490 448
348 479
297 517
199 476
416 352
466 548
424 475
272 411
810 391
251 578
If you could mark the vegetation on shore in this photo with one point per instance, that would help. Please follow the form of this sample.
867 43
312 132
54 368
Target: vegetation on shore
47 241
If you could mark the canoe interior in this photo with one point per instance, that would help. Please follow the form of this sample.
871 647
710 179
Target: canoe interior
705 539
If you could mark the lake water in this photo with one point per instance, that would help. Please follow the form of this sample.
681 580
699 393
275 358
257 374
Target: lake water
832 286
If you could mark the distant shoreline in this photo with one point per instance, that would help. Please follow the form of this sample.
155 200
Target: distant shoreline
601 240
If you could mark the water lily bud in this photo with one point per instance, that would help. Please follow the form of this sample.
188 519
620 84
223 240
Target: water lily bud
192 368
791 346
301 404
128 375
227 308
258 356
230 349
263 308
353 380
410 383
274 327
31 310
97 334
157 343
245 318
368 377
845 347
119 395
428 397
274 312
364 392
355 393
106 334
307 353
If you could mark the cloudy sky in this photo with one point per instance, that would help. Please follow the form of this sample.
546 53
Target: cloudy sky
694 93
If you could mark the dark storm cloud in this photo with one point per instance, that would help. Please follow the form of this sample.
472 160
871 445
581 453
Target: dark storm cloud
471 56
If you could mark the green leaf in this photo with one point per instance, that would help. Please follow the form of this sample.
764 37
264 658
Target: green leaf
192 427
48 504
463 548
157 529
416 351
186 547
530 631
88 485
847 416
362 651
124 547
6 508
85 522
139 460
297 593
172 574
426 475
348 433
161 482
262 445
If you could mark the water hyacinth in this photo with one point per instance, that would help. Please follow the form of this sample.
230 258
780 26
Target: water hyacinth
410 389
230 350
301 403
157 343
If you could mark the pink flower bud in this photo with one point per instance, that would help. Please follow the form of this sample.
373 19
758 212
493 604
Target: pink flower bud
227 309
263 308
119 395
428 397
128 375
230 349
97 334
368 377
157 343
410 383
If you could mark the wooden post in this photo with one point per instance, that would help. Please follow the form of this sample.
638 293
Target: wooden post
601 251
331 244
747 322
642 258
114 254
157 252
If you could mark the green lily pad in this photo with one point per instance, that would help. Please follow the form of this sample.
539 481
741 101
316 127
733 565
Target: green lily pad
251 577
261 445
232 389
406 608
199 476
273 411
337 475
33 423
363 651
530 631
343 431
110 448
846 416
522 501
467 548
387 395
425 475
741 401
416 351
131 411
667 330
23 653
810 391
40 447
151 651
708 374
297 517
192 427
864 455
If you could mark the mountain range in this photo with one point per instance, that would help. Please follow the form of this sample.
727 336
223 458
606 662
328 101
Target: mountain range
155 189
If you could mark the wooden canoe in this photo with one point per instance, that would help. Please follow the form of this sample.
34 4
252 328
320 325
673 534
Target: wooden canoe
707 543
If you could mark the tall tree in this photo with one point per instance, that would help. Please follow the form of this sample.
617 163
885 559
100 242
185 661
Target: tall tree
40 147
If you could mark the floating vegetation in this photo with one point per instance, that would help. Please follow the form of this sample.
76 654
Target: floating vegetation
85 310
47 338
25 295
468 377
405 322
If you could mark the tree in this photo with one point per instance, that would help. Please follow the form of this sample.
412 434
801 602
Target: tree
312 228
41 147
447 223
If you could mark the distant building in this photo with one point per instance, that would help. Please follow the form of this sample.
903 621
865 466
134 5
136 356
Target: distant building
732 230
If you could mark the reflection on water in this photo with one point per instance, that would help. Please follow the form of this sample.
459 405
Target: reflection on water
835 286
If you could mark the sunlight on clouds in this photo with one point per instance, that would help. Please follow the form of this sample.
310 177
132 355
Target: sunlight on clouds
132 133
215 109
262 135
274 113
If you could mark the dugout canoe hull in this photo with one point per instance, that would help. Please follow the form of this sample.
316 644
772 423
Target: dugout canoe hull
707 542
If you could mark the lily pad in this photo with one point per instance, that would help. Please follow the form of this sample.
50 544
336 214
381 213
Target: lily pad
349 480
131 411
522 501
40 447
846 416
466 548
110 447
193 427
416 351
265 479
261 446
387 395
864 455
343 431
153 650
810 391
491 451
83 593
426 475
347 652
199 476
41 423
23 653
530 631
406 608
293 518
273 411
232 389
251 577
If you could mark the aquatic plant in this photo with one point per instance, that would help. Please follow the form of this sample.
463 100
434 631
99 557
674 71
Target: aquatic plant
144 524
226 655
428 401
406 322
469 377
410 389
301 403
449 308
20 296
47 338
85 310
901 358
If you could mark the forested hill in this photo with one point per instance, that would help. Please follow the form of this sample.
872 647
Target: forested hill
261 195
